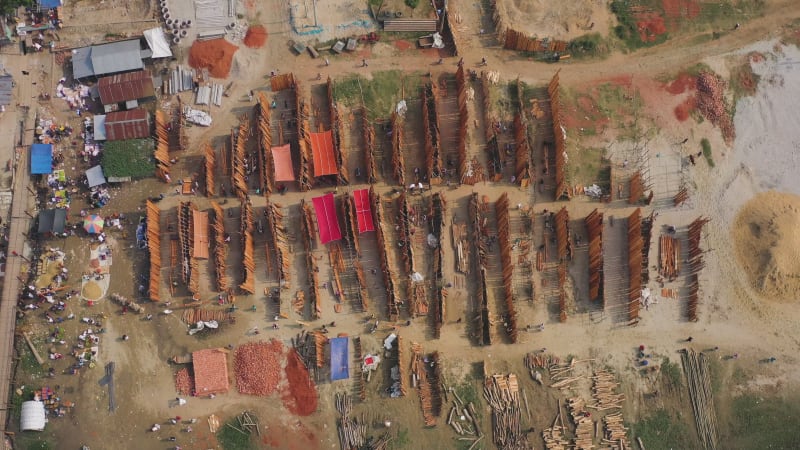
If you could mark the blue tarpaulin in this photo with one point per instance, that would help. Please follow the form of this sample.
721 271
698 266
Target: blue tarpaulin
339 359
41 159
49 3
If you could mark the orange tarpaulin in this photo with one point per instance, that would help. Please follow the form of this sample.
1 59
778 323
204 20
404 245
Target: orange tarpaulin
322 149
200 225
282 159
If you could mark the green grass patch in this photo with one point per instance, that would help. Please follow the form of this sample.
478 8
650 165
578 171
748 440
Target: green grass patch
501 101
662 431
764 423
130 158
586 167
379 94
231 439
627 29
412 3
401 441
591 45
707 151
673 373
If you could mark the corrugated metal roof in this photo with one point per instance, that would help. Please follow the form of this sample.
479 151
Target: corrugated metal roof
104 59
122 125
100 127
6 89
82 63
125 86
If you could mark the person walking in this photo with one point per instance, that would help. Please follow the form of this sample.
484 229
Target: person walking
364 63
327 62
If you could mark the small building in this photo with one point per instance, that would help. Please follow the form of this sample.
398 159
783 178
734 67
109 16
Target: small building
6 89
130 88
108 59
99 128
52 221
123 125
41 159
210 371
33 417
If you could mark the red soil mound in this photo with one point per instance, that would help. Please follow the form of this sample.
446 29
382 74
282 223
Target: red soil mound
650 26
681 9
256 36
402 44
300 397
683 110
683 83
215 55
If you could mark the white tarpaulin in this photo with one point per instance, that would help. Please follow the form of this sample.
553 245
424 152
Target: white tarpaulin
157 42
438 42
33 416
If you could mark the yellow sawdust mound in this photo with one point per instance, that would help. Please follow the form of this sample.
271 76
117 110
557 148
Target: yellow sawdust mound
766 236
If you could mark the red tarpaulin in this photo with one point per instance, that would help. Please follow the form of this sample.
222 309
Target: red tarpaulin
328 223
322 149
282 157
363 213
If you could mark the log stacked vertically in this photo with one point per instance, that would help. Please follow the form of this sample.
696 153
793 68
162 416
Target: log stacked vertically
398 162
387 268
307 229
415 290
220 247
154 249
696 264
161 153
239 160
433 153
248 259
636 189
425 388
635 245
669 249
368 133
264 118
280 243
179 119
594 230
437 213
338 137
559 135
504 240
502 394
209 167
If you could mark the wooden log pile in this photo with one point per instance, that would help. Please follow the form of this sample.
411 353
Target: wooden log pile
193 315
398 162
433 153
635 245
280 243
436 213
495 159
669 249
481 295
594 231
305 178
461 244
615 433
267 164
463 123
282 82
161 154
307 229
504 240
696 264
502 394
248 259
360 377
368 133
239 159
562 235
339 152
584 426
636 189
209 167
336 259
604 391
185 239
352 430
559 134
387 267
154 249
698 377
220 246
425 388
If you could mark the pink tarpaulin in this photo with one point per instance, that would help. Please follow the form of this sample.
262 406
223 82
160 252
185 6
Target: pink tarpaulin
363 212
322 153
282 160
328 223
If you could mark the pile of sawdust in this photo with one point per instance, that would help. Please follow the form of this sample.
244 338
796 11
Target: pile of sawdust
766 235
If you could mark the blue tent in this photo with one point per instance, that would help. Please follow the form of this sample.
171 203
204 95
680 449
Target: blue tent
340 369
41 159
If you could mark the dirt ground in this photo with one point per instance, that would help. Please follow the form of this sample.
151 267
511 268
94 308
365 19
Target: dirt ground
732 316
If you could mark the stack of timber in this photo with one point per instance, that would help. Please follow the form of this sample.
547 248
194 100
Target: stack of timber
239 160
193 315
368 133
280 243
504 240
352 430
669 250
433 153
220 247
464 420
398 162
695 366
635 245
336 259
461 244
307 226
161 154
594 230
305 344
387 268
436 214
483 318
248 259
263 116
305 179
360 377
154 249
584 426
615 433
502 394
559 133
427 384
338 137
189 270
696 264
417 291
553 436
604 391
208 170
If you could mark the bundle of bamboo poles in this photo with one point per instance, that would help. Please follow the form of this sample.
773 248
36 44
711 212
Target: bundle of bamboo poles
280 242
248 259
208 169
594 231
154 248
307 226
305 178
695 252
368 133
698 377
239 158
398 162
264 116
161 153
433 155
339 152
504 240
615 433
424 387
559 134
669 249
463 122
604 387
502 394
220 246
635 246
540 361
387 268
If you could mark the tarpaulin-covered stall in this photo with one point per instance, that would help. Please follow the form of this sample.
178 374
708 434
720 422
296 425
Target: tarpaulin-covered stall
340 369
282 159
325 209
363 212
41 159
52 221
95 176
33 417
322 152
